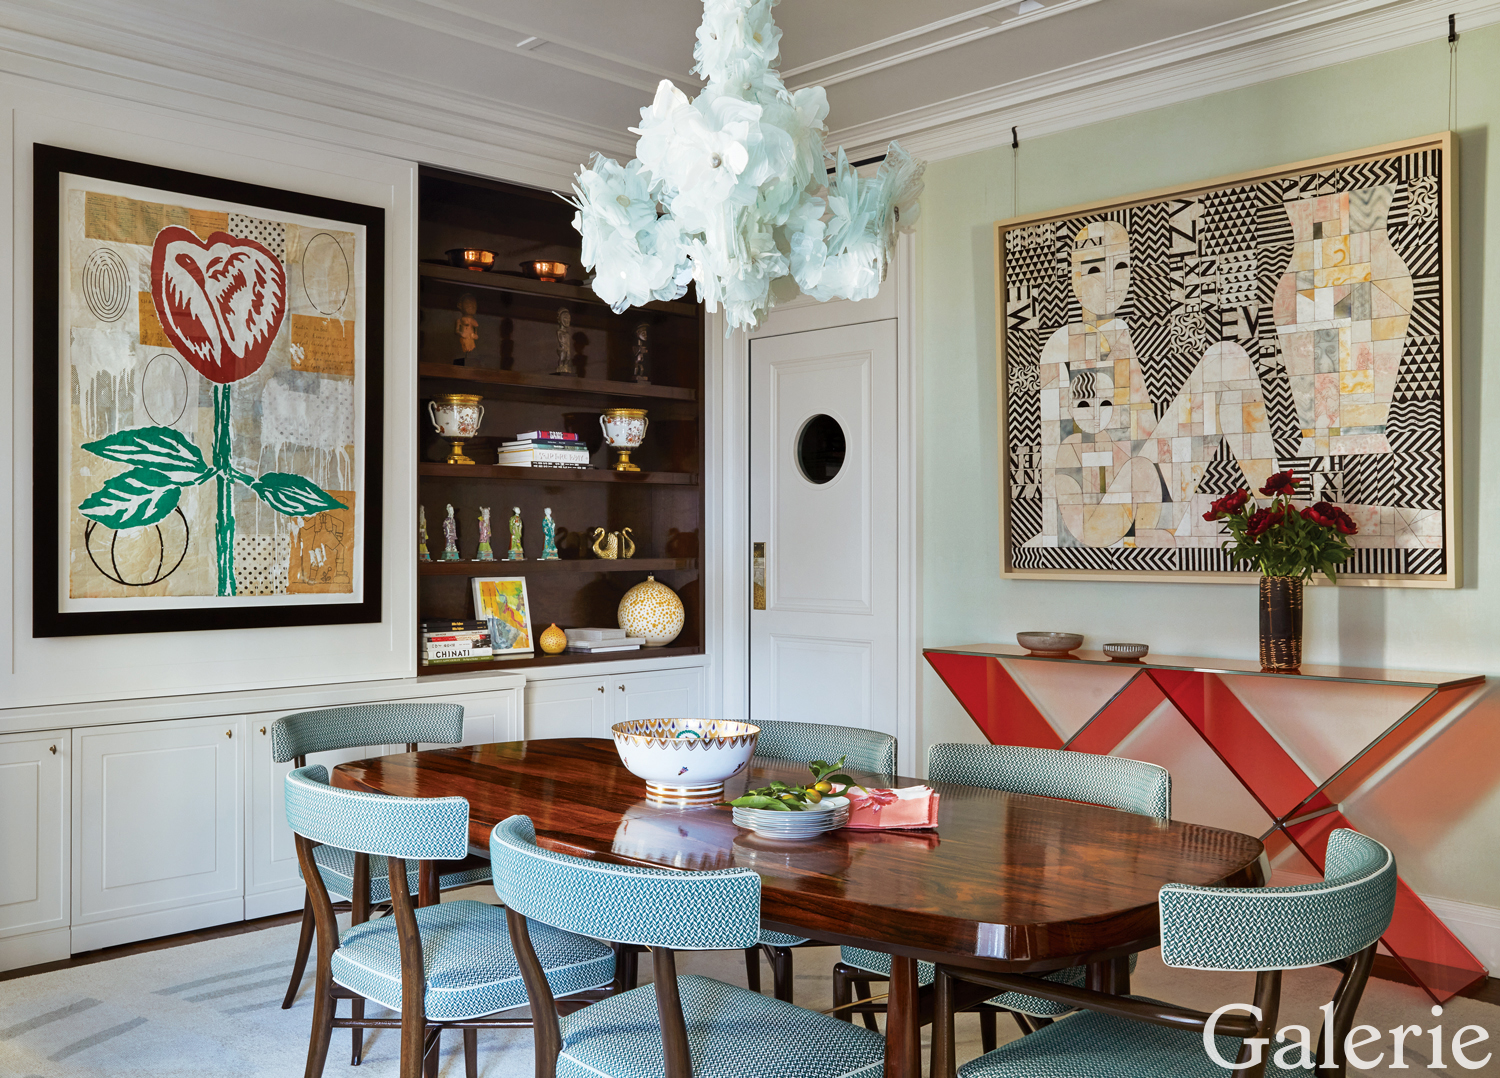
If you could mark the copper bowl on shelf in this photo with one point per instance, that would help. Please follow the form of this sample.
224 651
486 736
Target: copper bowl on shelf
542 270
471 258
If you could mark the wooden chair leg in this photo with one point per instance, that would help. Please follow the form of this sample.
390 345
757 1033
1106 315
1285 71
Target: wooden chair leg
471 1053
629 961
989 1036
322 1028
862 991
356 1035
752 968
430 1061
842 996
782 980
304 948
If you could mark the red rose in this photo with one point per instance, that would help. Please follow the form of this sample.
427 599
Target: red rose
1228 505
1327 515
1262 521
1279 483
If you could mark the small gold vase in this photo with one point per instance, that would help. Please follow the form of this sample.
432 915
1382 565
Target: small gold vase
553 640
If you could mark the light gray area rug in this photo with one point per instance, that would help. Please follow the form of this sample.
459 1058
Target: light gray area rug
214 1008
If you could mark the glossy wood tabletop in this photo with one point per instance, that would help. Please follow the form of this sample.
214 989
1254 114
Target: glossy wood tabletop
1007 881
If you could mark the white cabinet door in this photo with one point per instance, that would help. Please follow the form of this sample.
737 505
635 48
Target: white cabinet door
158 825
34 841
665 694
566 707
272 884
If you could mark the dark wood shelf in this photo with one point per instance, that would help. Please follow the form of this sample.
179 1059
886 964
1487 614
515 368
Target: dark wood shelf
504 282
553 384
557 475
557 660
571 565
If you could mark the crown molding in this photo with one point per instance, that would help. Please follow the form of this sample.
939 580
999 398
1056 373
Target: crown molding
1163 74
157 61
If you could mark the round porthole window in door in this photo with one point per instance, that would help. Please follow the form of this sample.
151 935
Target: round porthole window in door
820 448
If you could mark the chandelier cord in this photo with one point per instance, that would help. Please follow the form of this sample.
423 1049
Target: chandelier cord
1015 173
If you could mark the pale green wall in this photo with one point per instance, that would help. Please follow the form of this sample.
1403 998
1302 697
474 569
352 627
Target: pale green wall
1388 97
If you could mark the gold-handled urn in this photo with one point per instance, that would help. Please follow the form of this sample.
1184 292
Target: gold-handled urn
624 430
456 416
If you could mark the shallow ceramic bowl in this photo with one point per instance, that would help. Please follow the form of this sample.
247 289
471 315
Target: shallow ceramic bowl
1050 643
1126 653
685 761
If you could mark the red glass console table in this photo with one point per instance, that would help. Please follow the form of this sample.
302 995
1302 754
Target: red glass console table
1303 809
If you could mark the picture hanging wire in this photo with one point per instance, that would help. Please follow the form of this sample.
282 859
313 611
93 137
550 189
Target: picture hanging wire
1015 173
1452 73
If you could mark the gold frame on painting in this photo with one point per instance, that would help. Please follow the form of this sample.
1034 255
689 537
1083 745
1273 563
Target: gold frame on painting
1445 142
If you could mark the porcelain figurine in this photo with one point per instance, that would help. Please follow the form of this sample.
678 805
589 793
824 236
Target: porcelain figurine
515 553
450 537
423 554
485 553
549 536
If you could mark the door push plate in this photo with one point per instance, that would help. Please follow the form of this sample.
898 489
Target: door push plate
758 576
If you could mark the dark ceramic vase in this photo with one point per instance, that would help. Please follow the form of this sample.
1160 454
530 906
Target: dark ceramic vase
1281 622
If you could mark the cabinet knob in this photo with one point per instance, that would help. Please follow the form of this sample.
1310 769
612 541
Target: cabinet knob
52 749
622 688
228 733
601 688
262 729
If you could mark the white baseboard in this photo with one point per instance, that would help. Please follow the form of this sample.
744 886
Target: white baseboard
273 902
145 926
17 952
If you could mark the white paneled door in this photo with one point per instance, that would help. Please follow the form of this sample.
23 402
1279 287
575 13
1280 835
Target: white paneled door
823 523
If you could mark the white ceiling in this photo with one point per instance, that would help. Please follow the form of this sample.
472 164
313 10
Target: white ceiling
580 70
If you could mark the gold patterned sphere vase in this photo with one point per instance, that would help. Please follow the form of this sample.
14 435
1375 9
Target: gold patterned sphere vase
553 640
653 611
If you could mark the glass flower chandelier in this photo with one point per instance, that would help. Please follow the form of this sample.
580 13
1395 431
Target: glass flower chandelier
730 190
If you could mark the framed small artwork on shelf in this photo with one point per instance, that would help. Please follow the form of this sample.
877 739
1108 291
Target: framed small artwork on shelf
501 600
208 362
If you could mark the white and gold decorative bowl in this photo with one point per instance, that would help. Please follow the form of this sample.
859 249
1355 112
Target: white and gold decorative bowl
685 761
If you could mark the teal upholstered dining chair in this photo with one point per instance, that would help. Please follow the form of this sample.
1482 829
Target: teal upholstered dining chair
437 965
358 883
677 1027
799 742
1266 930
1130 785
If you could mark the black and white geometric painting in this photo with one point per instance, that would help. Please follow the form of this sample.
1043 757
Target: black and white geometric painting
1155 355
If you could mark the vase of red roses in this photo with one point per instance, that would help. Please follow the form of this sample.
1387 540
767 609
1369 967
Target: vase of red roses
1287 545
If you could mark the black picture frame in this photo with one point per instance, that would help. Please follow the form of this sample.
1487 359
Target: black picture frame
49 163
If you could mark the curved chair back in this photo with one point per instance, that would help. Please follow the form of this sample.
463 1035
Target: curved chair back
805 742
1233 928
293 737
1130 785
426 828
653 907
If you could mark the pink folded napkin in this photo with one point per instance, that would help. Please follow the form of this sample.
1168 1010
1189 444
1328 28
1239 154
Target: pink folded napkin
879 810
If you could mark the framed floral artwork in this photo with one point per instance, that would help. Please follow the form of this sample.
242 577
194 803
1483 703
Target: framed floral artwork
208 360
1159 352
501 600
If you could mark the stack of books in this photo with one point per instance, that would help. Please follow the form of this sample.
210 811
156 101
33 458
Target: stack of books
593 641
456 642
544 449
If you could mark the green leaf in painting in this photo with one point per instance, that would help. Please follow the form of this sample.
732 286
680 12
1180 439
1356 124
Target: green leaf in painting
293 495
161 449
132 499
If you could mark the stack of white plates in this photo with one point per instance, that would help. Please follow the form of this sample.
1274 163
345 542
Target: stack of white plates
828 815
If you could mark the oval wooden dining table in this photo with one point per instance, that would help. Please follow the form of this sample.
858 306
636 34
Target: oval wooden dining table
1007 882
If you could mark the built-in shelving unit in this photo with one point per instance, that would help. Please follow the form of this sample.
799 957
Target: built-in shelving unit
511 369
